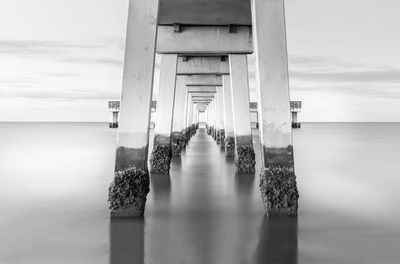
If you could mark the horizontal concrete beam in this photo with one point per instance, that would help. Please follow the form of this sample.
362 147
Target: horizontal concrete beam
204 80
212 65
204 40
202 89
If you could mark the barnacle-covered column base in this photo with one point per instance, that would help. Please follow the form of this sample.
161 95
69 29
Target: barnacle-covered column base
127 192
222 138
245 158
177 143
278 183
161 156
230 147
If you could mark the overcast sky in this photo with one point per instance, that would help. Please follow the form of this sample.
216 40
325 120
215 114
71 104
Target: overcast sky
61 60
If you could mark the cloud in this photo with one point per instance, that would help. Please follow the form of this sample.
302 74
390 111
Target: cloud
102 52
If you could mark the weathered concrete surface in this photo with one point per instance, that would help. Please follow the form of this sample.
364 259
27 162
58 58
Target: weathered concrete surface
202 65
278 180
204 40
203 80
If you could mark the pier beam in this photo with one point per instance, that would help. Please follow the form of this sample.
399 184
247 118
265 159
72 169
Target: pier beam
244 152
177 136
228 117
128 191
278 180
161 156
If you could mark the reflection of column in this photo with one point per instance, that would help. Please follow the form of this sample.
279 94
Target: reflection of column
245 157
161 155
278 241
228 116
278 175
177 137
133 132
126 240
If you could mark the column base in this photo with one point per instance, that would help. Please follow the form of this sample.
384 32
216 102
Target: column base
193 130
279 190
127 192
160 159
245 158
218 136
222 138
113 125
177 143
296 125
230 147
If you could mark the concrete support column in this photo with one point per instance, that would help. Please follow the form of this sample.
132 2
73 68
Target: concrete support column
228 117
278 180
186 131
177 137
114 119
244 156
214 119
221 125
131 172
161 156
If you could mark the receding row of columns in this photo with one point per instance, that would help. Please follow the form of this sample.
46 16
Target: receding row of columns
227 111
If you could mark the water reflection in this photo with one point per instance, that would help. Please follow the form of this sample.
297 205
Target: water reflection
278 241
127 240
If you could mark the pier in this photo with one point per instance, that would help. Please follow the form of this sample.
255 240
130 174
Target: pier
204 47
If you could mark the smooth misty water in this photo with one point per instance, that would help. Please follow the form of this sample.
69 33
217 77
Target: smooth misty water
53 200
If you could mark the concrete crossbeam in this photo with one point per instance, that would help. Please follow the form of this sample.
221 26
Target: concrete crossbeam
202 65
204 80
204 40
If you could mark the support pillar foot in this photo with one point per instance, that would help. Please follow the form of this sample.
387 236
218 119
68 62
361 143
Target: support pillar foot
161 156
127 192
245 158
278 183
230 147
222 138
177 143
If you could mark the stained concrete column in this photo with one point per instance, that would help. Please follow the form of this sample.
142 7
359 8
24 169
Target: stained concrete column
186 131
244 152
228 116
161 156
221 125
278 180
190 118
177 137
213 118
131 172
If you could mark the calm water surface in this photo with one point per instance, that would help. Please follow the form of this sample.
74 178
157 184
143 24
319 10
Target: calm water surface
53 200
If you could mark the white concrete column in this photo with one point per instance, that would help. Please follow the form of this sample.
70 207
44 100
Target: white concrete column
177 137
269 35
133 132
244 156
137 85
161 155
221 122
228 116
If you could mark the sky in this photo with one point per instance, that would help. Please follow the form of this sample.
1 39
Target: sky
61 60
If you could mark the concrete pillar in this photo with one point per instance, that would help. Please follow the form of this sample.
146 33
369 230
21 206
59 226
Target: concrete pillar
161 156
133 133
214 119
186 118
221 125
278 180
244 152
228 117
114 119
177 137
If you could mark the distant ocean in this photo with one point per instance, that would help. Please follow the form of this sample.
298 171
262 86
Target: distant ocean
53 200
